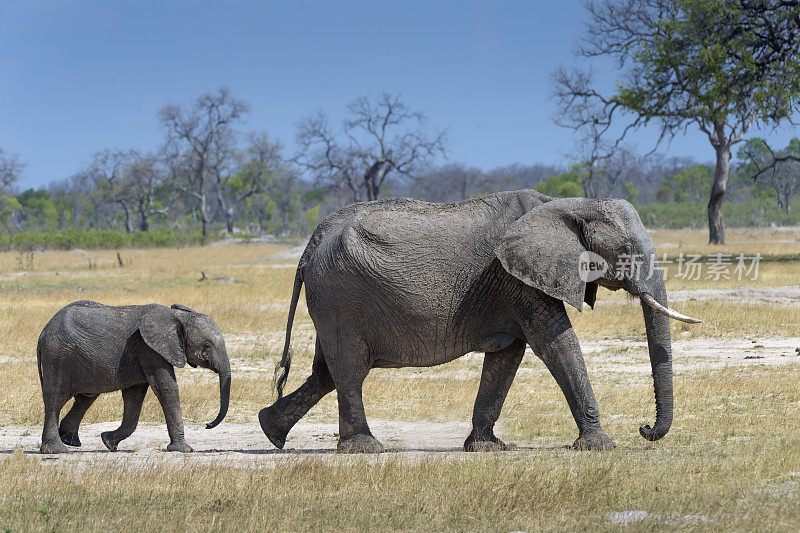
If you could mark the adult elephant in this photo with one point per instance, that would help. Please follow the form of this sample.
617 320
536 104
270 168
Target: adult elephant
400 282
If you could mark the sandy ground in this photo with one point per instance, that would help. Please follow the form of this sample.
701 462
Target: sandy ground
693 354
610 355
788 296
245 445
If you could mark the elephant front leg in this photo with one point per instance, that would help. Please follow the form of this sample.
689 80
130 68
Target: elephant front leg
165 387
132 399
499 369
555 342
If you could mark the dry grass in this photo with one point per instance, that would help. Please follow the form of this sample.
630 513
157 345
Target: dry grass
731 460
748 241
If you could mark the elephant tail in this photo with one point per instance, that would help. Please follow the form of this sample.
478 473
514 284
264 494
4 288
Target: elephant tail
282 368
39 364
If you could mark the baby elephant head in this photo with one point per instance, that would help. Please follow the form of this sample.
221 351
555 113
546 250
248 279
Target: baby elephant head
181 335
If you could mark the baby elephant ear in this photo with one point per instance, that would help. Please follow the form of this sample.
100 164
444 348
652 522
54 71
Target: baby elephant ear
163 332
543 250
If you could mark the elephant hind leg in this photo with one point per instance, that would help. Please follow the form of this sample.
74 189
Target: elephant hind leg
279 418
349 364
54 401
68 429
132 399
499 369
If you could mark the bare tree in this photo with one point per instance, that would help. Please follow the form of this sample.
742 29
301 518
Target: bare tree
10 170
108 167
780 170
450 183
383 136
721 66
591 121
200 143
622 166
321 154
139 181
91 194
257 165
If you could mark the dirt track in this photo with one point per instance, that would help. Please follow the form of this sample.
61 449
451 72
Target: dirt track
245 445
242 444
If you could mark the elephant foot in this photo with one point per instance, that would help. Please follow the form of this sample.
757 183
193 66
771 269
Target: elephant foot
108 439
179 447
276 433
53 447
597 440
70 438
360 443
483 443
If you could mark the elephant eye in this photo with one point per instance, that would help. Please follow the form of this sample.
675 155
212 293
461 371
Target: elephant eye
207 344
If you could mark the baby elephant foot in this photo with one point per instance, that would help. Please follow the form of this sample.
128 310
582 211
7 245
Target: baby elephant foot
70 438
483 443
360 443
179 447
108 439
53 447
596 440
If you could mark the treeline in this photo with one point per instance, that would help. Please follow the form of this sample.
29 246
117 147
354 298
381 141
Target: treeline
669 192
210 178
207 171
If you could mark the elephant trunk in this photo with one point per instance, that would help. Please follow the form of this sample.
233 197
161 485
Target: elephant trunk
224 393
660 347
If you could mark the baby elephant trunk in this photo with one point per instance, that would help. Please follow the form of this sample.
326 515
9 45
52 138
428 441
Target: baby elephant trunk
224 395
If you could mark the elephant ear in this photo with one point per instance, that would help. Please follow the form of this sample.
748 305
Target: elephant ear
163 332
543 248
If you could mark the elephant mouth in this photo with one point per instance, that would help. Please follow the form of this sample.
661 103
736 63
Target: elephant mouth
666 311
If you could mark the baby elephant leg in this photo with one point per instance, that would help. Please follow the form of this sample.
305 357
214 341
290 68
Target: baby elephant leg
132 399
162 380
68 429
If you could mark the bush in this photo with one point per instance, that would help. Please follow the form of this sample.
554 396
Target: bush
753 212
94 240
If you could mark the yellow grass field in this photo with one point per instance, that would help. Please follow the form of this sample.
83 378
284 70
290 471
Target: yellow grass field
731 460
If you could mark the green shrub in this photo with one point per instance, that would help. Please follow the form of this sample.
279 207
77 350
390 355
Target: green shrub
753 212
94 240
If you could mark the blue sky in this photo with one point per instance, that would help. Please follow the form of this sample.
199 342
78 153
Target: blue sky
78 76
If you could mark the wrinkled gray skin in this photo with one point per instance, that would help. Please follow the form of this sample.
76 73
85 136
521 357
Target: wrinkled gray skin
399 282
89 348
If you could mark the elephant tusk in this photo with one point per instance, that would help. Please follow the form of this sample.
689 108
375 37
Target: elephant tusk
666 311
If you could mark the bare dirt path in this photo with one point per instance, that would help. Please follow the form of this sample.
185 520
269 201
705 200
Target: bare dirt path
694 354
243 444
611 355
788 295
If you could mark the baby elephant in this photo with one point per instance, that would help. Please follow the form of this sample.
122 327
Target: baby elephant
89 348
